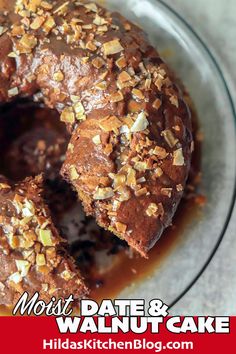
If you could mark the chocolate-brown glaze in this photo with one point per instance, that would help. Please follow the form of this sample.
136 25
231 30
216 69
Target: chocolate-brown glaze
130 149
32 254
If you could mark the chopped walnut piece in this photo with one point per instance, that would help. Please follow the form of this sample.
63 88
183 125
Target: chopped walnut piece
97 139
68 115
49 24
178 158
156 104
2 30
101 85
121 62
152 210
79 111
45 237
174 101
40 259
160 152
37 22
73 173
140 124
112 47
111 123
23 267
28 42
62 9
124 77
13 92
140 166
119 181
91 46
166 192
46 5
91 7
58 76
116 97
137 94
98 62
141 192
99 21
131 177
120 227
67 275
179 188
169 138
15 278
4 186
103 193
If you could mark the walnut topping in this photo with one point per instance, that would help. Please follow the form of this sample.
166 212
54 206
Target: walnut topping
124 77
169 138
91 46
103 193
116 97
158 172
58 76
140 124
15 278
49 24
137 94
160 152
178 158
37 22
2 30
73 173
131 177
152 210
23 267
98 62
45 237
140 192
167 192
45 5
27 43
62 9
101 85
112 47
91 7
110 123
179 188
40 259
174 101
156 104
79 111
121 63
67 275
141 166
68 115
120 227
4 186
13 92
118 181
99 21
97 139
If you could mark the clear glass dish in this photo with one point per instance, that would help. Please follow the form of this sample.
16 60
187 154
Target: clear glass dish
193 63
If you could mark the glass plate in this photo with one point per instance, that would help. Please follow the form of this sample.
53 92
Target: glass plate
194 64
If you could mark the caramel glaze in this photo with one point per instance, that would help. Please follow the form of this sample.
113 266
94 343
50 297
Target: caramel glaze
121 260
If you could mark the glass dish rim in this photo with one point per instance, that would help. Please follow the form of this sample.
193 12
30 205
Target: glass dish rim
233 109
